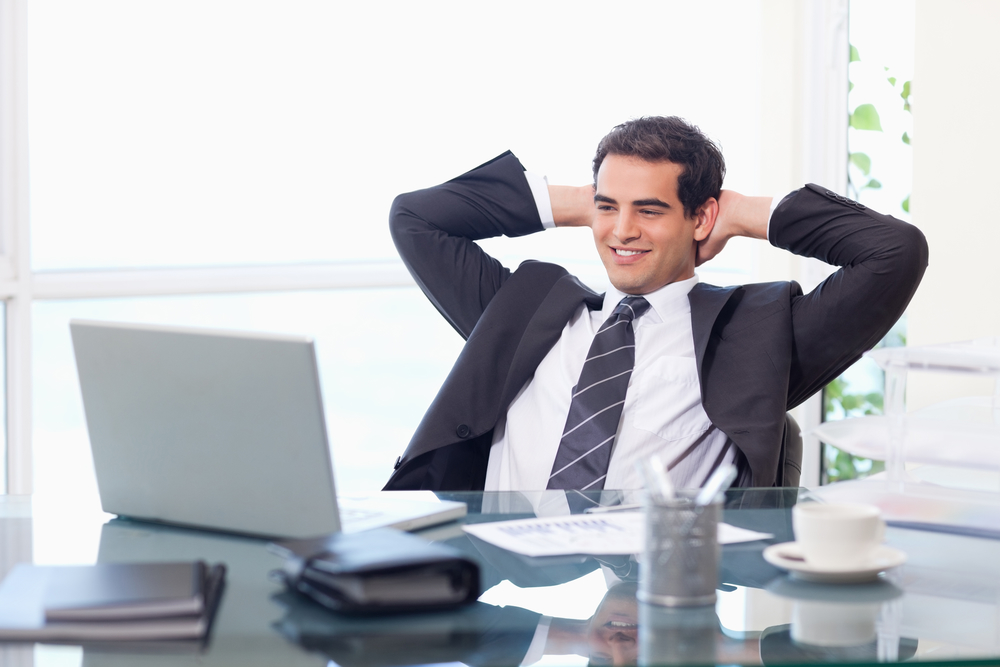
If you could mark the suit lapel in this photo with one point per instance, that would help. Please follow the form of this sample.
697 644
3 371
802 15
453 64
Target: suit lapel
707 301
544 330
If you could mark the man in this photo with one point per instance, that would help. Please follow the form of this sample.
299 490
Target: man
705 375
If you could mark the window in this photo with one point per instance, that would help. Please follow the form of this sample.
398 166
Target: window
227 162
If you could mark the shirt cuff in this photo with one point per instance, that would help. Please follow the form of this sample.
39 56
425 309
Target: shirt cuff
536 650
540 191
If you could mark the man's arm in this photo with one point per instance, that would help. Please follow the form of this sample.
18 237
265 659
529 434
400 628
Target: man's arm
434 231
881 262
572 206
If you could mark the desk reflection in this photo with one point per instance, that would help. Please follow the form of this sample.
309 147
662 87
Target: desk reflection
950 600
620 632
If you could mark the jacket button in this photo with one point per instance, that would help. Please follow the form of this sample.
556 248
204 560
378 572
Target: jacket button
463 431
399 462
831 194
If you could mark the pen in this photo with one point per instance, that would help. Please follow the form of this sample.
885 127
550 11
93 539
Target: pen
716 484
656 478
613 508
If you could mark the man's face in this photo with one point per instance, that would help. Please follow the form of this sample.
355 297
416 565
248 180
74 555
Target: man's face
614 628
640 229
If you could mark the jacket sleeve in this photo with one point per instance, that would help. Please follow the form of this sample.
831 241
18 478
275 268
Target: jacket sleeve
435 232
881 260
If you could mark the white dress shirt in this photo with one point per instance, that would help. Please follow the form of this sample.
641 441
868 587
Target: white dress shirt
662 412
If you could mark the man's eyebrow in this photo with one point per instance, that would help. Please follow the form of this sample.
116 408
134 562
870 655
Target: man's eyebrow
606 200
651 202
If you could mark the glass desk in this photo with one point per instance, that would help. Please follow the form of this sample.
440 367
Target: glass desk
942 606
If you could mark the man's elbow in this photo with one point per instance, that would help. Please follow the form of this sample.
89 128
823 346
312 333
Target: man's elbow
400 216
916 253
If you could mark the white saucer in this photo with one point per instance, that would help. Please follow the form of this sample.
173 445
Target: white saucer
788 556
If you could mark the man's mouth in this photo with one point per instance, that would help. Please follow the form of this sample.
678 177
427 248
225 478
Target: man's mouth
622 252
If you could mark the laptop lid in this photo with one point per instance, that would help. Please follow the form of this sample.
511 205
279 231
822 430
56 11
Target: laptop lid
214 429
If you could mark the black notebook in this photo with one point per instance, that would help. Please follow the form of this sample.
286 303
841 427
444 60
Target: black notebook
109 602
382 570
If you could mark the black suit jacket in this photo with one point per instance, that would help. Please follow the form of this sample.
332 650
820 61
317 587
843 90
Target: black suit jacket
761 349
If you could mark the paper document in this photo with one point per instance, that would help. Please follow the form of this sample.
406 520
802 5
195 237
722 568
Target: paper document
619 533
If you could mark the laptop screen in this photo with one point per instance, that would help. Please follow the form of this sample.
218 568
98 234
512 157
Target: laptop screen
207 428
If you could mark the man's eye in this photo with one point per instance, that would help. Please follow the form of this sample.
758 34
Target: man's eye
604 207
650 212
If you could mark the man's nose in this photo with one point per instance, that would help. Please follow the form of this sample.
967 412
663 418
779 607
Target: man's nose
623 654
626 228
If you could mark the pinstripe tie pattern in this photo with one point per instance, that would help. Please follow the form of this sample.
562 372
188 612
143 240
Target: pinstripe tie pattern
598 398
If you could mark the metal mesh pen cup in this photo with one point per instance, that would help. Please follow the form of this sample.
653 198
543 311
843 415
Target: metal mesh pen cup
680 567
677 636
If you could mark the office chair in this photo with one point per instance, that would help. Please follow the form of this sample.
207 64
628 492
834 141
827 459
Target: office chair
790 462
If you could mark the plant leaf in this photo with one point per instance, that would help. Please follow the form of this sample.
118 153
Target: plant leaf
850 86
854 55
906 91
906 138
906 204
865 117
872 184
892 80
862 162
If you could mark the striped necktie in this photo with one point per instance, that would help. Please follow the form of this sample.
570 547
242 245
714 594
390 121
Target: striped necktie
598 398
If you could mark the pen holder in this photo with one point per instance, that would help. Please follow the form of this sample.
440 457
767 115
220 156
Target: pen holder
680 567
675 636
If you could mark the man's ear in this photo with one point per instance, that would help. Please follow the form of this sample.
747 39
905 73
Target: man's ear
704 219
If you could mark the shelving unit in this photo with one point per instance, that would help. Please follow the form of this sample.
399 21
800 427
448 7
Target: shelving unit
960 433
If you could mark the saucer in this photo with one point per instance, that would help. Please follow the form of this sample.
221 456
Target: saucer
788 556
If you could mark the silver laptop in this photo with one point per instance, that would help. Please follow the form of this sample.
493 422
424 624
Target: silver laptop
221 430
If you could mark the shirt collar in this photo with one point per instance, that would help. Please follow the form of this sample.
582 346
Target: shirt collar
667 299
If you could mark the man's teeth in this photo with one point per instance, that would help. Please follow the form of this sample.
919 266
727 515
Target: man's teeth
626 253
621 624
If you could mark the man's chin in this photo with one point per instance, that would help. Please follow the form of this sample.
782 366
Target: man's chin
632 287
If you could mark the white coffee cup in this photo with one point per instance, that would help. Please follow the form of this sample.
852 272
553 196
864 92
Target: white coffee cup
837 536
818 623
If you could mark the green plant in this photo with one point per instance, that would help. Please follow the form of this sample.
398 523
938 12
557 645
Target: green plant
865 117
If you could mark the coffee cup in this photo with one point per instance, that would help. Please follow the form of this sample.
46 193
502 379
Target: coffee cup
837 536
820 623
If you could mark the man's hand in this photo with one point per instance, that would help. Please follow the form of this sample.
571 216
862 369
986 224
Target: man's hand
738 216
572 206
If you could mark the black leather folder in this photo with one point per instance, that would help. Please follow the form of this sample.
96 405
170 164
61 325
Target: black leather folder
379 571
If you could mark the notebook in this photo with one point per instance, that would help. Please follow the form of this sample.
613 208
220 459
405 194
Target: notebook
221 430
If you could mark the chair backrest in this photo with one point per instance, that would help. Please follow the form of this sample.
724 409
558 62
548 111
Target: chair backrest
790 464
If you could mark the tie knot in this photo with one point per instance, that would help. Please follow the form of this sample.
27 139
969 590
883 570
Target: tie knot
631 307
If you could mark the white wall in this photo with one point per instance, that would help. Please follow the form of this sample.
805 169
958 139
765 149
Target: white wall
956 145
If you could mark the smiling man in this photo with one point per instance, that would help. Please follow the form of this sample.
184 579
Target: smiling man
560 387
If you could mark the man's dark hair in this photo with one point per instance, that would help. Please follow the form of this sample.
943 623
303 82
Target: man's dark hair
670 139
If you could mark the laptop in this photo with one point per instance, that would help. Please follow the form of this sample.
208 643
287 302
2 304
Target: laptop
221 430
